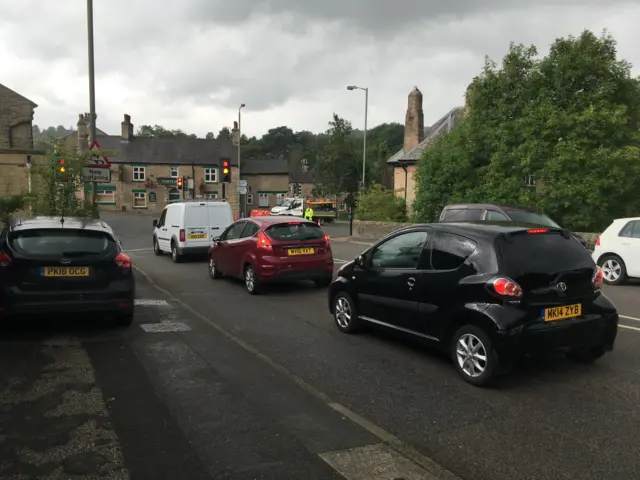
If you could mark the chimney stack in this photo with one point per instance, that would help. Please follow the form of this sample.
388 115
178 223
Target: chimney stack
83 134
414 121
305 165
126 129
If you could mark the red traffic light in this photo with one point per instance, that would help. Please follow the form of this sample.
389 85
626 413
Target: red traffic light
61 161
180 181
225 167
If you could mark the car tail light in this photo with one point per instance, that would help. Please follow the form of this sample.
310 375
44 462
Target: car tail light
182 236
294 223
327 243
505 287
597 241
5 260
533 231
123 261
263 241
598 277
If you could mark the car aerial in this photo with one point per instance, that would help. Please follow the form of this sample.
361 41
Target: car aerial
64 265
617 251
269 249
486 294
186 227
491 212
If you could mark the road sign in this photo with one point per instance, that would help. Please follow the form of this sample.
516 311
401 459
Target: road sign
242 190
98 175
97 161
242 183
190 184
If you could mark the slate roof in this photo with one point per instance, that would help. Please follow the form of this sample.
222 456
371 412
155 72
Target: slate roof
13 92
169 151
445 124
258 166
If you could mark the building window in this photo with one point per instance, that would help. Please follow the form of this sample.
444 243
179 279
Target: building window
105 196
249 199
529 180
139 199
343 206
210 195
263 199
210 175
173 172
139 174
280 198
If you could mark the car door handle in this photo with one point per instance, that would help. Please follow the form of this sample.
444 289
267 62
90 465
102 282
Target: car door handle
626 243
411 282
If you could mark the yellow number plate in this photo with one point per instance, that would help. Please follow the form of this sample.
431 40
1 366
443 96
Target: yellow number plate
65 272
197 236
300 251
559 313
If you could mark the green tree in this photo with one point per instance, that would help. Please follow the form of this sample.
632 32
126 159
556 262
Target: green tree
571 119
381 204
10 205
158 131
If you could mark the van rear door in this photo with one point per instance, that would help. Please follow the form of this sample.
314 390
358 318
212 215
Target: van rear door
196 225
220 217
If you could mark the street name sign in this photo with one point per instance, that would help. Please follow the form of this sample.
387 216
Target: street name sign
96 174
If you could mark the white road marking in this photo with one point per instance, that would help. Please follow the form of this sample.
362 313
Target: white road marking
146 302
165 326
630 328
139 249
630 318
337 260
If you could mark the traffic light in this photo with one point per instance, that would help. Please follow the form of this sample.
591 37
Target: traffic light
226 171
180 180
61 167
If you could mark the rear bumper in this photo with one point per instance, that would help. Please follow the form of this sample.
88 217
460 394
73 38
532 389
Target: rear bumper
187 251
273 269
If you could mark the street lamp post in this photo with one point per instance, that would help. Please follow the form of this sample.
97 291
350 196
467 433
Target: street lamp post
29 165
92 90
239 142
366 114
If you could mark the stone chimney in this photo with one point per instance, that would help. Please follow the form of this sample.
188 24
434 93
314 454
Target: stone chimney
414 121
83 133
305 165
127 128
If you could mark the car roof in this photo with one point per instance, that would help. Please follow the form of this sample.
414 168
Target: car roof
84 223
627 219
268 220
490 205
488 230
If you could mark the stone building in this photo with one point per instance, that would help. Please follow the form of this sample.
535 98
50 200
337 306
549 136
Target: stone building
16 142
416 139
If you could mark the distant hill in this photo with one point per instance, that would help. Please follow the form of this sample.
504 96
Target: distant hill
42 138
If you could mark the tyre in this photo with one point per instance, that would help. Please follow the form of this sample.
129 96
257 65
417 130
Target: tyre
251 282
156 247
613 269
324 283
474 356
213 271
175 255
345 313
587 355
124 319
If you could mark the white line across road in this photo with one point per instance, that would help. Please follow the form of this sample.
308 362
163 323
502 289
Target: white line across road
626 317
337 260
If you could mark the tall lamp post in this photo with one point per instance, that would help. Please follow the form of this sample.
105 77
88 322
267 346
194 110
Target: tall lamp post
366 114
29 165
242 105
92 91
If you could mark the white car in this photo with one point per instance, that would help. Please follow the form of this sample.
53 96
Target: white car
617 251
188 227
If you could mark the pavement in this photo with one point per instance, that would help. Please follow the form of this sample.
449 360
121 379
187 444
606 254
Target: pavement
211 382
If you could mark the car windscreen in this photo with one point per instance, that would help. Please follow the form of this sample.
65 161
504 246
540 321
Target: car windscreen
534 218
295 231
61 242
542 253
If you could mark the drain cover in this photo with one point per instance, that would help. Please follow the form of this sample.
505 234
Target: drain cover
163 327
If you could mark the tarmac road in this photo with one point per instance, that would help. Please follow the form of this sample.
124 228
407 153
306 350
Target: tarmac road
549 420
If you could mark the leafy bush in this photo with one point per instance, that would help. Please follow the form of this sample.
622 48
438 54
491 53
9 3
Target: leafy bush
382 205
10 205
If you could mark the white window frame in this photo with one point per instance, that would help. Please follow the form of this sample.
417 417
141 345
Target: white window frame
210 175
139 174
530 180
263 199
280 196
343 206
210 195
105 196
139 196
249 199
174 172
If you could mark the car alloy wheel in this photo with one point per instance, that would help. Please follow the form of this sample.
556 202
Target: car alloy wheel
471 355
343 312
213 271
250 280
174 253
611 270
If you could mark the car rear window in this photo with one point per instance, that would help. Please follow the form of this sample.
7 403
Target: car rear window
462 215
60 242
543 253
535 218
295 231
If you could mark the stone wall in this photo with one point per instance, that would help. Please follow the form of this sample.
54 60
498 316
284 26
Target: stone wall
16 116
370 231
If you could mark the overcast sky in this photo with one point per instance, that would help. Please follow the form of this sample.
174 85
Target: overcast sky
189 64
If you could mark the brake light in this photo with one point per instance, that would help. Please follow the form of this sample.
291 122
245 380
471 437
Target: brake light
123 261
598 277
5 260
327 243
533 231
263 241
182 237
505 287
597 241
294 223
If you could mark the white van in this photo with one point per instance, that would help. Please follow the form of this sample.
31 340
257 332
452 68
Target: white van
289 206
186 228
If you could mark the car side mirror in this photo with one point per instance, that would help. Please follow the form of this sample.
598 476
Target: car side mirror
359 261
215 239
155 223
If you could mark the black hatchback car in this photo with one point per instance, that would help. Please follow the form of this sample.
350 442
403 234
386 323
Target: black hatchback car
57 266
486 294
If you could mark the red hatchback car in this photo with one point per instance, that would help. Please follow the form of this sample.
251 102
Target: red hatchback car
269 249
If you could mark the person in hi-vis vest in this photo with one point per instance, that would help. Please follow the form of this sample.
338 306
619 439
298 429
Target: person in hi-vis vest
308 213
